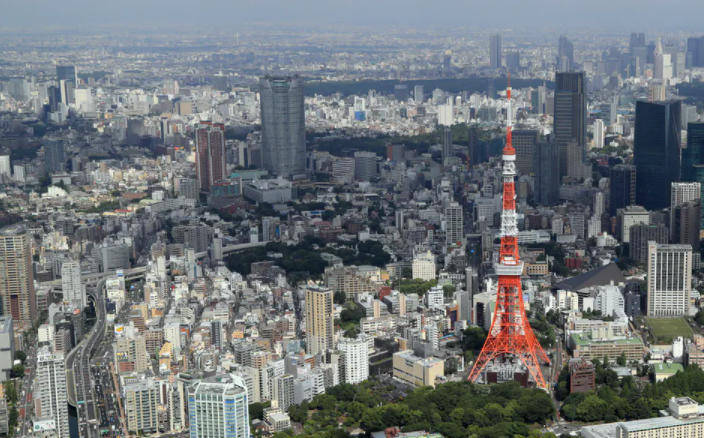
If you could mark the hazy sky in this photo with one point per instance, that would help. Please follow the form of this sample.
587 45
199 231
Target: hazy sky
612 15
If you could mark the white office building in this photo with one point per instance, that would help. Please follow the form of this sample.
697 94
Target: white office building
71 285
424 266
668 279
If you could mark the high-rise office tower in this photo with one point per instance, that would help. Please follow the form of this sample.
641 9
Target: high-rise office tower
564 62
657 151
513 61
686 223
598 134
5 166
71 285
668 280
682 193
217 408
454 224
16 274
365 166
569 119
210 154
446 62
496 51
283 125
694 52
622 187
524 141
51 389
692 159
639 237
356 359
637 40
663 67
67 80
319 319
54 156
141 401
418 94
546 173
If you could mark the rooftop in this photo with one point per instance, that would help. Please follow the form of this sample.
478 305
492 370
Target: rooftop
580 339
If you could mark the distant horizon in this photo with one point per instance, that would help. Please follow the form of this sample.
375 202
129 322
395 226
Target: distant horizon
614 17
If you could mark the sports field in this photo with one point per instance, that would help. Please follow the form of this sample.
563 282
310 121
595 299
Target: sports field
665 329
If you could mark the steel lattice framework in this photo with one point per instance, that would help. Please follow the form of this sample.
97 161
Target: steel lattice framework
510 332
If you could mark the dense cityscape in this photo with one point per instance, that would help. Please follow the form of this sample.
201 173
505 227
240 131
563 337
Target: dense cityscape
328 232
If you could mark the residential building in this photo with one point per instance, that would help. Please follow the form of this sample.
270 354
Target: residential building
141 402
17 275
356 360
51 389
210 154
319 320
217 408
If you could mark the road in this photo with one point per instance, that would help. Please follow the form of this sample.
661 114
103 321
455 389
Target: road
26 399
81 390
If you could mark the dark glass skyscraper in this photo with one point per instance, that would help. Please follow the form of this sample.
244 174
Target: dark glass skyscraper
692 160
564 62
622 187
657 152
67 80
569 117
694 52
283 129
496 51
54 156
546 176
524 141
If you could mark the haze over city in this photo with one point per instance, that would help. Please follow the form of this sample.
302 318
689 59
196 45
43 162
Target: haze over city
390 219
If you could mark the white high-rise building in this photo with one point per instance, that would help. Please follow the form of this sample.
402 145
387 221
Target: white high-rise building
682 192
71 285
51 389
598 134
356 358
5 168
434 297
668 279
217 408
424 266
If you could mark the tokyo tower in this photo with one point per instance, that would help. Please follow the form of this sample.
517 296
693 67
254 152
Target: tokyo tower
510 332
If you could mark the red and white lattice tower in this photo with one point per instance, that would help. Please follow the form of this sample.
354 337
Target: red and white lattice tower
510 332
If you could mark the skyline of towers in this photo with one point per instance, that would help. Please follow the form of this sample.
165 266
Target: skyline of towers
16 274
657 151
210 154
564 61
569 122
283 125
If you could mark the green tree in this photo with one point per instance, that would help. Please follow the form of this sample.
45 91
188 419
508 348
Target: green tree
474 338
622 360
256 410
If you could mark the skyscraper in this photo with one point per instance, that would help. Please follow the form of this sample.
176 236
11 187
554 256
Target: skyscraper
564 62
283 130
668 280
598 134
454 224
67 80
210 154
694 52
622 187
217 408
692 160
496 51
569 118
319 319
51 389
54 156
513 61
524 141
639 237
71 285
546 173
16 274
657 151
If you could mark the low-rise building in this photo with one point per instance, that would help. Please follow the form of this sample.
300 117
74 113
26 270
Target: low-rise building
416 370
